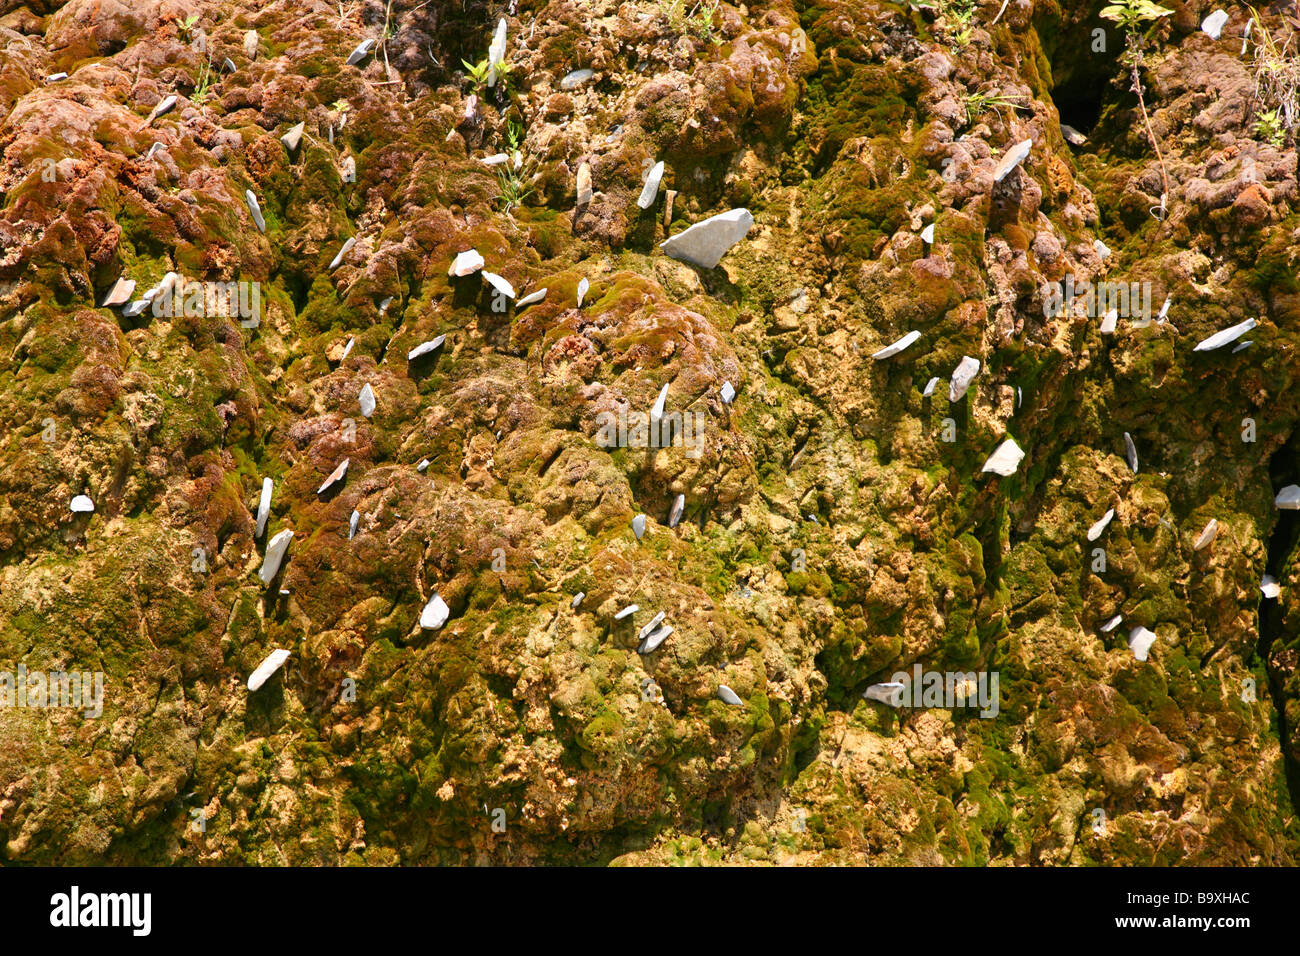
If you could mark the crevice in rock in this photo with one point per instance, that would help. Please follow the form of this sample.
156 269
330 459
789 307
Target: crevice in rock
1284 469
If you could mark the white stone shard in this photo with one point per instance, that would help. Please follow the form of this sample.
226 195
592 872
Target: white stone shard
153 149
1242 345
1212 25
657 412
1245 37
466 263
705 243
347 247
577 599
424 348
55 77
336 475
496 52
352 523
575 79
292 138
1270 587
367 400
1288 498
1109 322
585 191
1100 525
650 191
229 65
728 393
423 466
250 43
361 52
675 515
348 169
927 234
164 105
647 628
1131 452
1072 135
962 376
264 506
583 287
630 609
1220 339
347 349
930 386
1014 157
498 283
82 504
135 308
255 210
435 613
1103 250
1164 310
270 664
638 526
275 549
383 306
1208 535
890 693
891 350
652 641
729 696
1113 623
531 297
1140 641
1005 460
119 293
496 159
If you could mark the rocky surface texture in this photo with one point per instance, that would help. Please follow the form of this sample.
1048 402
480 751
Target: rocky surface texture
832 532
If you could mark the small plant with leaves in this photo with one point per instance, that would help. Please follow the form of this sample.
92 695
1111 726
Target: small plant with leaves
1131 15
1276 71
980 102
1269 127
696 21
203 86
186 27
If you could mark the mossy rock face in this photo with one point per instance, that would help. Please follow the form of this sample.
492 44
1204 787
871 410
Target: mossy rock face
838 528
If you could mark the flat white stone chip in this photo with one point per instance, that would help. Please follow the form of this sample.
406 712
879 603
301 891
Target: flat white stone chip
1005 460
435 613
705 243
889 351
1140 641
270 664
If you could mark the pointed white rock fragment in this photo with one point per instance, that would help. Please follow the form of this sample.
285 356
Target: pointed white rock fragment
1164 310
250 43
962 376
585 192
891 350
930 387
1103 250
927 234
1212 25
1113 623
1270 587
1131 452
255 210
583 287
1140 641
1072 135
275 550
657 412
1100 525
292 138
163 106
496 159
647 628
531 297
577 599
264 506
82 504
119 293
675 515
423 466
270 664
498 283
630 609
348 169
1208 535
338 259
361 52
729 696
336 475
424 348
575 79
728 393
1220 339
1014 157
890 693
650 191
466 263
1005 460
638 526
367 400
435 613
705 243
55 77
1242 345
153 149
1288 498
652 641
1109 322
347 349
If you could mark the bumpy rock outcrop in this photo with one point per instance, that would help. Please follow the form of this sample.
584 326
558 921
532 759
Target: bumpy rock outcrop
837 525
